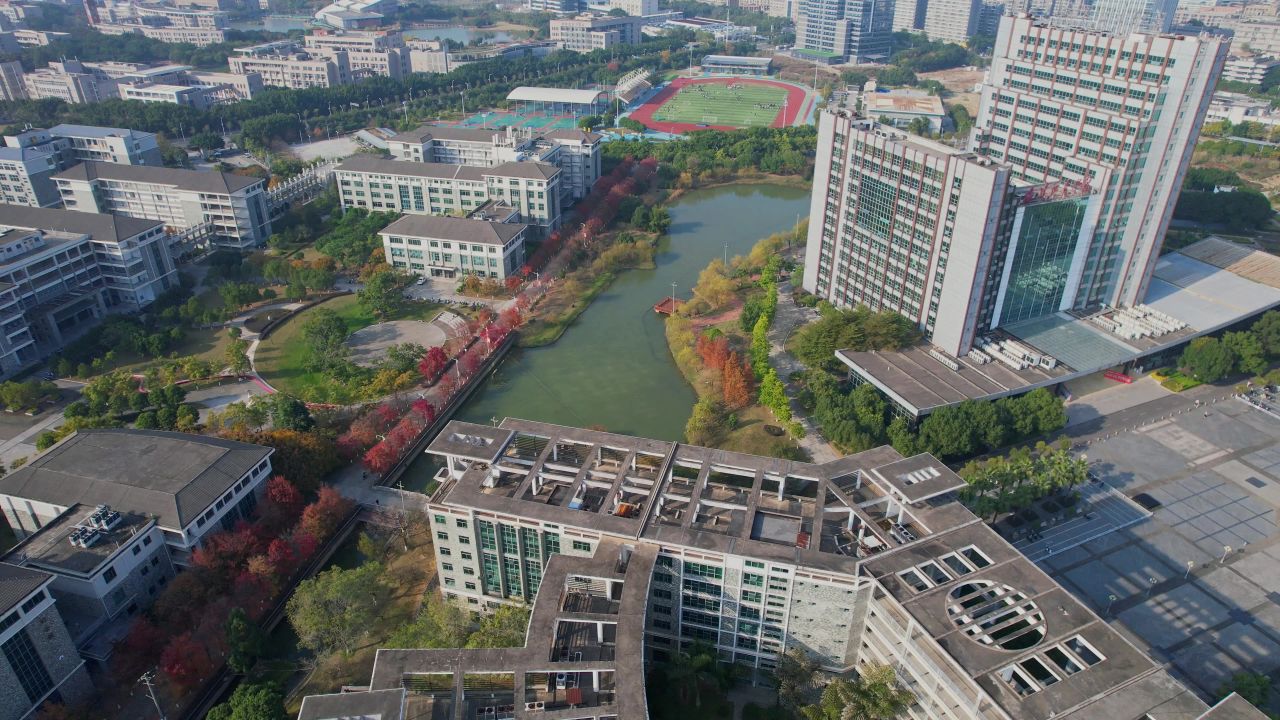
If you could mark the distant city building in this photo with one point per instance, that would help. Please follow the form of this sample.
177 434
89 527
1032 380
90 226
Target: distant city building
13 85
553 6
431 56
355 14
575 152
37 37
953 21
532 189
1249 70
194 35
1126 16
70 81
839 31
38 659
433 246
368 54
721 30
908 15
233 206
586 33
284 64
1238 108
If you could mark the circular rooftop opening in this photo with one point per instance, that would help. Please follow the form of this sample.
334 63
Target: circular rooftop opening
995 614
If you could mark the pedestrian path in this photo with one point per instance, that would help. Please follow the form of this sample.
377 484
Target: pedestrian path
786 319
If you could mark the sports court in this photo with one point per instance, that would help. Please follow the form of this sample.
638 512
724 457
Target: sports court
723 103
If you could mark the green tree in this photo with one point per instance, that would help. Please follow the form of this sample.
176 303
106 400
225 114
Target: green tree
794 676
774 396
205 141
251 701
505 627
1252 686
245 641
1248 352
1207 359
706 426
332 611
874 695
287 412
236 356
439 624
326 336
381 293
695 669
1267 328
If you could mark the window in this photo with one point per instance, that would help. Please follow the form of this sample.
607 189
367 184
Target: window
27 665
440 519
441 535
466 555
707 571
146 540
448 567
461 523
752 579
581 546
470 585
136 549
450 582
446 551
1084 651
109 575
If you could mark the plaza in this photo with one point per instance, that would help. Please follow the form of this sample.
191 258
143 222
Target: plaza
1196 584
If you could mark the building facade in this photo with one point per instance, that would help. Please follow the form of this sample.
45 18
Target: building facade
952 21
1118 112
77 143
575 152
26 177
282 64
586 33
432 246
532 189
866 559
38 660
1250 70
234 207
369 54
837 31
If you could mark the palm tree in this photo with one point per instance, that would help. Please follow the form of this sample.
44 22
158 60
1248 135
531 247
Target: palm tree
874 695
694 668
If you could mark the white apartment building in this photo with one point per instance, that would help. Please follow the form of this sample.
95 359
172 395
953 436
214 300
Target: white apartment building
1249 70
553 6
532 189
233 206
952 21
26 176
1118 112
70 81
132 254
908 15
76 143
226 87
192 485
192 96
282 64
199 36
866 559
38 658
369 54
575 152
434 246
586 32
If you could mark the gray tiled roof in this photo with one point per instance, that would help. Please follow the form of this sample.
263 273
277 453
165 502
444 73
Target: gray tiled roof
384 704
452 228
102 226
18 582
527 170
172 476
195 180
441 132
364 162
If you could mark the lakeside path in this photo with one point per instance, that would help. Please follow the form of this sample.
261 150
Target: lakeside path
787 318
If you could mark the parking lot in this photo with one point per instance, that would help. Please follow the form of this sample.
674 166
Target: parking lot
1198 582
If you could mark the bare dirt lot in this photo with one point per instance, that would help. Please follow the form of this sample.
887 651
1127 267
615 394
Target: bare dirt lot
960 83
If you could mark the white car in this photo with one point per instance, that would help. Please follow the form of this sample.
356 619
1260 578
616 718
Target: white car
421 281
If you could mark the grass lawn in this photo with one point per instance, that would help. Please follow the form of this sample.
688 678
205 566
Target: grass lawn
748 105
281 358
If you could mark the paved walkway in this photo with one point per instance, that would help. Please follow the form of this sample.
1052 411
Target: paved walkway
786 319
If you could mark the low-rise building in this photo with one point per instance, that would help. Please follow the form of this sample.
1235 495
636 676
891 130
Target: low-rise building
283 64
69 81
736 65
633 548
199 36
1238 108
77 143
369 54
434 246
903 106
430 56
37 38
1249 70
532 189
26 176
38 659
233 206
590 32
190 485
228 87
13 85
106 566
355 14
192 96
575 152
559 7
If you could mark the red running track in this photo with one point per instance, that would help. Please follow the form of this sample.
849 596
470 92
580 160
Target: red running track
644 114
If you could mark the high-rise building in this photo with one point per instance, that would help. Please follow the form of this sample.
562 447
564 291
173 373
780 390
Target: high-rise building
908 15
942 236
1120 112
952 21
837 31
1126 16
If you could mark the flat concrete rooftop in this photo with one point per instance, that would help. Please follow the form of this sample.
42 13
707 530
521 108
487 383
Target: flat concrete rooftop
1187 286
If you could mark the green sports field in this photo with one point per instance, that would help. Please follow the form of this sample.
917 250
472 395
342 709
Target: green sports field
716 104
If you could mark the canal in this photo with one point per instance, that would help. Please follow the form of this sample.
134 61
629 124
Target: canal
612 368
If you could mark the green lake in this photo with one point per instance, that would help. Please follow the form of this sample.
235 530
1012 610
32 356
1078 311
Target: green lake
612 367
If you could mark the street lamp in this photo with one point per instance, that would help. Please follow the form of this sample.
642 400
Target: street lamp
1226 550
673 298
1190 564
148 678
1111 600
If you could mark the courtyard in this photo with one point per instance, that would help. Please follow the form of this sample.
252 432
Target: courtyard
1197 584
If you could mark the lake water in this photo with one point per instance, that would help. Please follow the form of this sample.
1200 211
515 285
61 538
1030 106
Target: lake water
273 24
463 35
